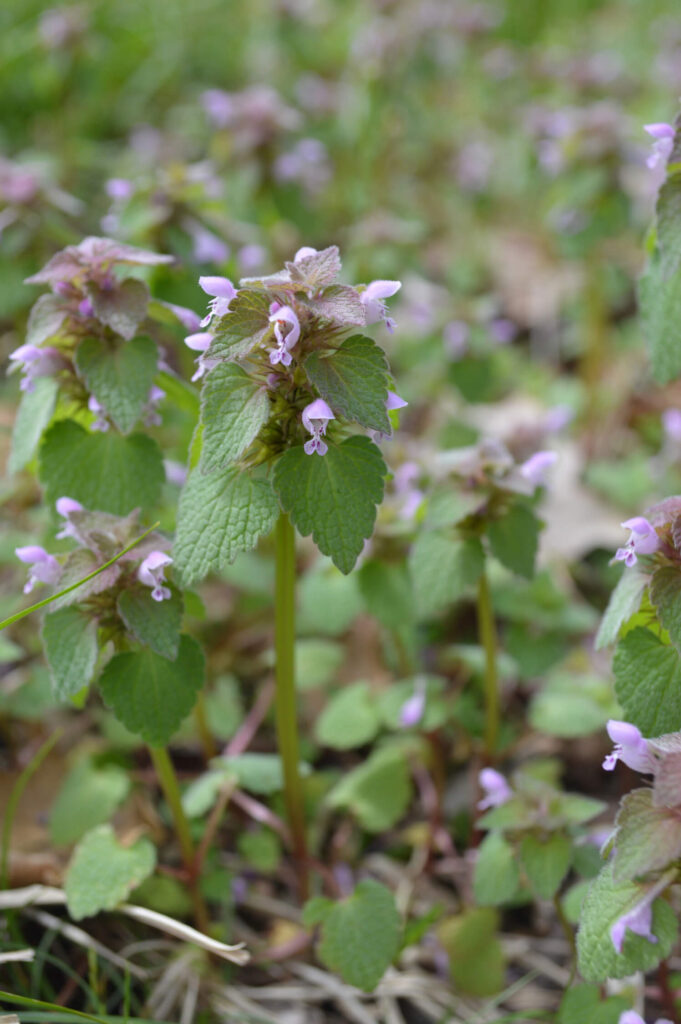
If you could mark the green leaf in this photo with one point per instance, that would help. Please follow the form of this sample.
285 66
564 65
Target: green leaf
259 773
546 862
377 792
605 903
46 317
102 471
360 935
476 957
328 601
437 710
624 602
77 565
514 539
334 496
353 380
648 682
119 375
660 310
102 872
442 568
219 516
648 837
340 304
151 695
244 327
665 594
122 308
233 409
34 414
154 623
497 877
387 592
70 641
572 705
317 663
350 719
88 797
668 216
582 1003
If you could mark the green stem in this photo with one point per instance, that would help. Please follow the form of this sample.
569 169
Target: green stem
488 642
285 697
171 790
13 802
205 735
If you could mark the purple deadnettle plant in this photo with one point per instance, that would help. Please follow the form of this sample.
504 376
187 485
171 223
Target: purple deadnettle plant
293 391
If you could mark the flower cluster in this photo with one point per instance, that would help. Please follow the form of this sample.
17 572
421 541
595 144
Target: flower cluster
643 540
89 299
292 315
102 535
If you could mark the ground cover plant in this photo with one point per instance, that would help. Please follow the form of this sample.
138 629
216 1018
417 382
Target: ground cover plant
341 562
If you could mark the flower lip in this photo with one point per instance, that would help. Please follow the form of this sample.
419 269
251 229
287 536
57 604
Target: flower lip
303 253
317 411
219 287
660 130
496 788
32 554
534 468
65 506
199 342
380 290
395 402
151 573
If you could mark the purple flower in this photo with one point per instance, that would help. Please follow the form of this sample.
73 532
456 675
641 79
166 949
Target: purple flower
219 106
208 248
643 540
65 506
503 331
152 416
393 401
631 1017
404 480
534 469
44 567
639 919
36 362
101 422
119 189
412 710
663 145
304 252
671 423
456 334
151 574
373 299
201 343
283 316
558 418
316 415
176 473
187 317
630 747
251 257
495 787
223 291
85 308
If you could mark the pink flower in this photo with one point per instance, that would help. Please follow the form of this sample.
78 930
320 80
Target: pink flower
372 299
671 422
101 422
630 747
496 788
303 253
283 316
65 506
119 189
44 567
643 540
223 291
639 919
36 362
631 1017
663 134
208 248
534 469
393 401
151 574
201 343
413 709
187 317
316 416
